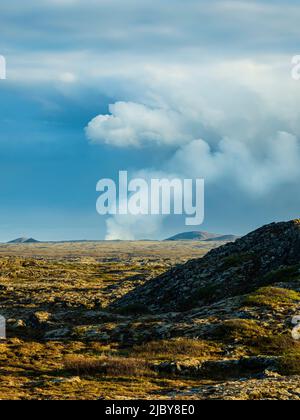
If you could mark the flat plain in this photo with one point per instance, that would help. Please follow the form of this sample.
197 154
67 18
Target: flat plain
70 337
59 287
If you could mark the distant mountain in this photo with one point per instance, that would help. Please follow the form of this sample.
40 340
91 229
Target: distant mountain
224 238
201 236
192 236
24 241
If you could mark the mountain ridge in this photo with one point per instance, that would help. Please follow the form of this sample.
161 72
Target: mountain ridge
233 269
202 236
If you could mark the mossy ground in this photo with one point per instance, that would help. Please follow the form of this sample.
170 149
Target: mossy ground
32 370
64 277
273 298
62 286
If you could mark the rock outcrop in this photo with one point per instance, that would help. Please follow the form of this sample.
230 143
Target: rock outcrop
258 259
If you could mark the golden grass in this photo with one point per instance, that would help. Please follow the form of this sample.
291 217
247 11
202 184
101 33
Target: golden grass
177 348
244 331
106 365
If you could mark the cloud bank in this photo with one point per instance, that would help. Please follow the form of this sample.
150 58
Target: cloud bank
133 124
199 89
228 124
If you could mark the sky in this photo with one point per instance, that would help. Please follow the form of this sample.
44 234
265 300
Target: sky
193 89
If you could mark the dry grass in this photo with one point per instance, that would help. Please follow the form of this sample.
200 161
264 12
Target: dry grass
32 370
290 363
277 345
284 347
178 348
242 331
68 281
157 252
110 366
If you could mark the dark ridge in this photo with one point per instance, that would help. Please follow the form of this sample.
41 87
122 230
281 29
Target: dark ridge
233 269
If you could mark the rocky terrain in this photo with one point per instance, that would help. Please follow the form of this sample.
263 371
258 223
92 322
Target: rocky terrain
232 270
180 320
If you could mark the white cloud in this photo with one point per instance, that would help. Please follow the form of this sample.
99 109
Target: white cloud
233 123
67 77
256 172
173 105
132 124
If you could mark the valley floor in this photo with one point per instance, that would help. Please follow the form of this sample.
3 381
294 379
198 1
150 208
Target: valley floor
65 340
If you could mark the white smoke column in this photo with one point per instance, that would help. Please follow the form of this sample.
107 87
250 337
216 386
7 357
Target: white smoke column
136 227
129 228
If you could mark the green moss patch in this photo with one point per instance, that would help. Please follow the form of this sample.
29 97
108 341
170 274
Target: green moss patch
273 298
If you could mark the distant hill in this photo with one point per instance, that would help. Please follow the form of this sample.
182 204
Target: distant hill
202 236
225 238
24 241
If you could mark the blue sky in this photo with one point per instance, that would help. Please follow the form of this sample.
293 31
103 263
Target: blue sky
210 81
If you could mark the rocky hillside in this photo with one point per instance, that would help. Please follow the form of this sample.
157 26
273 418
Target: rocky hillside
263 257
